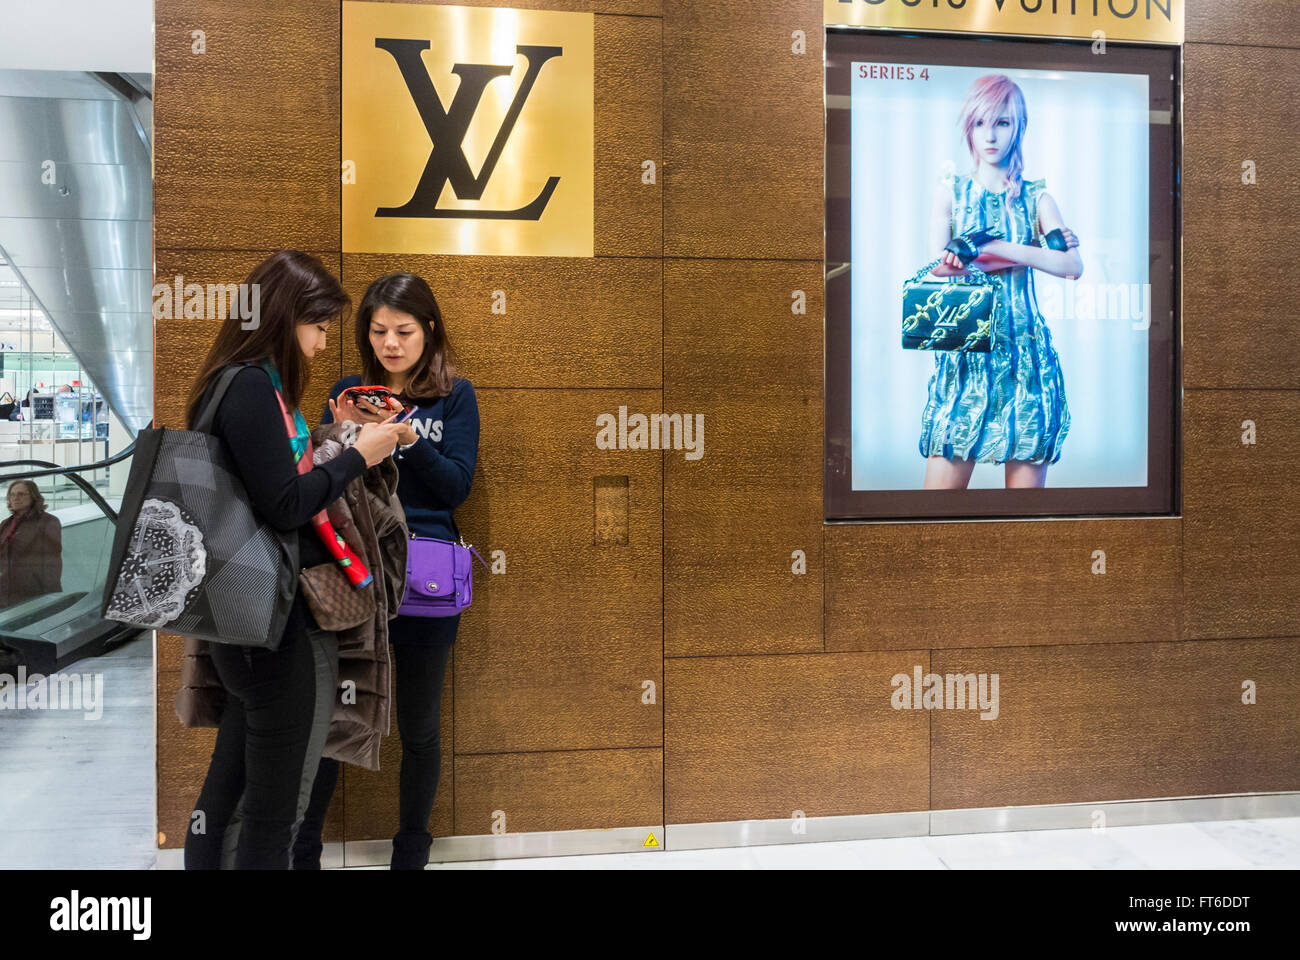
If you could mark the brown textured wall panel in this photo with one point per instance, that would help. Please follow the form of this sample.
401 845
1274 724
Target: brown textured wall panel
1120 722
738 356
743 137
552 655
183 757
181 345
554 651
568 322
247 133
1263 22
756 738
993 583
629 126
169 650
371 809
1240 105
1242 513
573 790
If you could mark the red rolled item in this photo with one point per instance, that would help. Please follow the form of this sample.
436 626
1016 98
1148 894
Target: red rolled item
353 568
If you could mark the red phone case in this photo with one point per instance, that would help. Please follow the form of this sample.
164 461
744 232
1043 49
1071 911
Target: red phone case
373 392
378 395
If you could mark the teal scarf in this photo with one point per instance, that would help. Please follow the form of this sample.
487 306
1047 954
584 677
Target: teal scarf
302 436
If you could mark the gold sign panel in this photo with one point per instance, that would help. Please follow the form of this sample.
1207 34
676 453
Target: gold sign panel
1155 21
468 130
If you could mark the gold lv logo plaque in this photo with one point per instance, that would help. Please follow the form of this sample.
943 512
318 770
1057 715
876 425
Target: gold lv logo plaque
467 130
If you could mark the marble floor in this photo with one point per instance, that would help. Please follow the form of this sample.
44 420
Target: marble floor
79 793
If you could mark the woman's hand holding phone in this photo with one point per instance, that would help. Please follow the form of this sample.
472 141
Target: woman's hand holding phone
377 441
408 434
365 413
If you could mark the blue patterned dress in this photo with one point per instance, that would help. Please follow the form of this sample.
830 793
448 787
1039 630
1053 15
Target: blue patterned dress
1008 404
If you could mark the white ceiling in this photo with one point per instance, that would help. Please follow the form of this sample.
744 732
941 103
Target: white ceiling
114 36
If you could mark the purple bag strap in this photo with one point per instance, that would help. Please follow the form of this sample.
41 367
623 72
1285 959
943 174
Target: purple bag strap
463 546
468 546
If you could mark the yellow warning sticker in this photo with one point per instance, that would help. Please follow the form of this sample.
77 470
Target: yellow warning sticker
650 841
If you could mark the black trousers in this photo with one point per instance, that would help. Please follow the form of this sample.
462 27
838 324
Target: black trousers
421 648
268 747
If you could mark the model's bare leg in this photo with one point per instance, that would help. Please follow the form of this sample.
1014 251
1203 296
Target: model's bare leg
1023 474
941 473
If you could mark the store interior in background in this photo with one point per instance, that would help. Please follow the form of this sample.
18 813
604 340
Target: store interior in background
50 409
76 346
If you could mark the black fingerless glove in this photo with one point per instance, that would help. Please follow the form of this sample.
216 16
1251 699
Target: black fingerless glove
1055 239
967 246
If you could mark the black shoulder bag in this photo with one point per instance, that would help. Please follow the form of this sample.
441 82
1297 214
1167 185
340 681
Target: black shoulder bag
190 555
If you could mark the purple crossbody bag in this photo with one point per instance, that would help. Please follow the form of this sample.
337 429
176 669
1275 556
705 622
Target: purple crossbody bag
439 577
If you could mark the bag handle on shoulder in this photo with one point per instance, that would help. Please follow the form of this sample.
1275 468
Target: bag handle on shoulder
216 390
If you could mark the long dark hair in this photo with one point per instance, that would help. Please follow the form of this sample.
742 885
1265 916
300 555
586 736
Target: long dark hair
431 377
293 287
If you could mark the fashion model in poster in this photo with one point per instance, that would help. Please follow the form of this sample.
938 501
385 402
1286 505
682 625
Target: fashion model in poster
1007 406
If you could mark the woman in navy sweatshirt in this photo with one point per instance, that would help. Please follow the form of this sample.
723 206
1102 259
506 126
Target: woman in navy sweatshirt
403 345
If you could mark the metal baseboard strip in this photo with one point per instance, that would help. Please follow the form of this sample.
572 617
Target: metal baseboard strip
1119 813
331 858
1064 816
871 826
510 846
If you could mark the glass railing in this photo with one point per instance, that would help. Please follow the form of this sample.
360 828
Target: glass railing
55 548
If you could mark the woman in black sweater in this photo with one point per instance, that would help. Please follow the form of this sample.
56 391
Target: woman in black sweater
279 701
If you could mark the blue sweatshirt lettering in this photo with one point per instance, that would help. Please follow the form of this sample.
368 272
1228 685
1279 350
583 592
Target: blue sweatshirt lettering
435 473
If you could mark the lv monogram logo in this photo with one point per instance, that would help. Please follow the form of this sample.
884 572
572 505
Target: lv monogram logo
447 128
944 314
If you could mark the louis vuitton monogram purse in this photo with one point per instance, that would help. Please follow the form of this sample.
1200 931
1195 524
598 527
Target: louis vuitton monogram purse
955 313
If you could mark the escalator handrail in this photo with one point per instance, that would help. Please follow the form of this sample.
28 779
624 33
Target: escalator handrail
54 468
72 475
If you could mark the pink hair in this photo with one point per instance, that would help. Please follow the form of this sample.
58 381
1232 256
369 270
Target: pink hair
988 96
